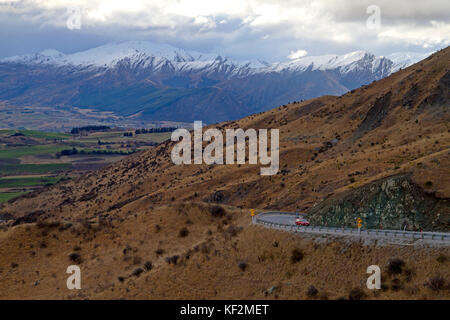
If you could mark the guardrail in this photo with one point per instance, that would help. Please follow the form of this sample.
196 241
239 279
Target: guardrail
392 234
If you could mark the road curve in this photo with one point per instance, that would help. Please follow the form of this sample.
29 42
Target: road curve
286 221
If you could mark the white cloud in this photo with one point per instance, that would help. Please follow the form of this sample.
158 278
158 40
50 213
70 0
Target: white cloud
297 54
244 24
205 23
435 34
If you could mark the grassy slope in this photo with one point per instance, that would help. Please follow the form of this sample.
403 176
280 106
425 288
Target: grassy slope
411 140
208 264
119 207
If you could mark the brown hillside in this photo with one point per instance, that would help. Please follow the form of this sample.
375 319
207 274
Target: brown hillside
397 125
117 218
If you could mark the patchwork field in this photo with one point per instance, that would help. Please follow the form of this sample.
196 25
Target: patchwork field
62 119
31 159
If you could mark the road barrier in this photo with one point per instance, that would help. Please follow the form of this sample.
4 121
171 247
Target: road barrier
436 237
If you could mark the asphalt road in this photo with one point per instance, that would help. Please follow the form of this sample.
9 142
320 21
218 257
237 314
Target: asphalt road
287 218
286 221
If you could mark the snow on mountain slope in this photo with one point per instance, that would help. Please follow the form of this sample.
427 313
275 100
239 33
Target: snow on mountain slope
110 54
162 82
48 56
139 54
346 62
402 60
157 57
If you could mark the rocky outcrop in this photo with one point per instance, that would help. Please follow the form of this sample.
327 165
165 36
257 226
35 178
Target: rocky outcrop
390 203
375 115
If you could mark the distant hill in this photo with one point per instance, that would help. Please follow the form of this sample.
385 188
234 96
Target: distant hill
159 82
397 126
145 228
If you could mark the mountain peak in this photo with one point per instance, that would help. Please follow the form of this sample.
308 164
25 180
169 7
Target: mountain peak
402 60
110 54
51 53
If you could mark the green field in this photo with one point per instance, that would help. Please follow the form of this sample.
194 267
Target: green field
34 168
9 195
92 150
16 152
26 182
37 134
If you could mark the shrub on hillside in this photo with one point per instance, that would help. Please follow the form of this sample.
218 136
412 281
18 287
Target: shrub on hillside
233 230
396 284
437 283
442 258
356 294
184 232
395 266
217 211
172 259
137 272
296 255
242 265
148 265
312 292
75 257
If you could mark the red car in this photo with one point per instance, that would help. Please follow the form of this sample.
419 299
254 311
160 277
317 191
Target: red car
300 222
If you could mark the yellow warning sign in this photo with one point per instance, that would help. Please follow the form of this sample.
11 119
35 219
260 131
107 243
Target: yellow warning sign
252 212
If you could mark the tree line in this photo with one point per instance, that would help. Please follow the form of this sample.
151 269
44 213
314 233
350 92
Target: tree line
77 130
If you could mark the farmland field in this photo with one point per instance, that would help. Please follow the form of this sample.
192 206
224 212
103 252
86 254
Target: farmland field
37 134
33 168
16 152
32 159
5 196
9 182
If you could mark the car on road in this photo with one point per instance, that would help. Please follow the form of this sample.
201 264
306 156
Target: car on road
301 222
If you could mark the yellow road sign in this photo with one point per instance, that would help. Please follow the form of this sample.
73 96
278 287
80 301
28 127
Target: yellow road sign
252 212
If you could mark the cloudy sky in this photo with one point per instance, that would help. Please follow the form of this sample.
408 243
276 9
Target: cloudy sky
260 29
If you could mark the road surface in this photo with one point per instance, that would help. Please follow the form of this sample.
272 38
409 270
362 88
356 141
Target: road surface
286 221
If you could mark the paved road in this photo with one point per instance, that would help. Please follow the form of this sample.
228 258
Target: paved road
287 218
286 221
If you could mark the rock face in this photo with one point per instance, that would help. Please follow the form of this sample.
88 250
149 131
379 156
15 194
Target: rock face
390 203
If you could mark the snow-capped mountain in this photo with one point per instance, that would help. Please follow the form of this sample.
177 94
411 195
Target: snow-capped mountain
148 54
346 62
402 60
162 82
139 54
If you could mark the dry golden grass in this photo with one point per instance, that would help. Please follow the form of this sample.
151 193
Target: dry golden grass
35 258
412 139
137 193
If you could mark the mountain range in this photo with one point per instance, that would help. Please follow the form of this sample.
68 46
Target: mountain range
150 81
145 228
